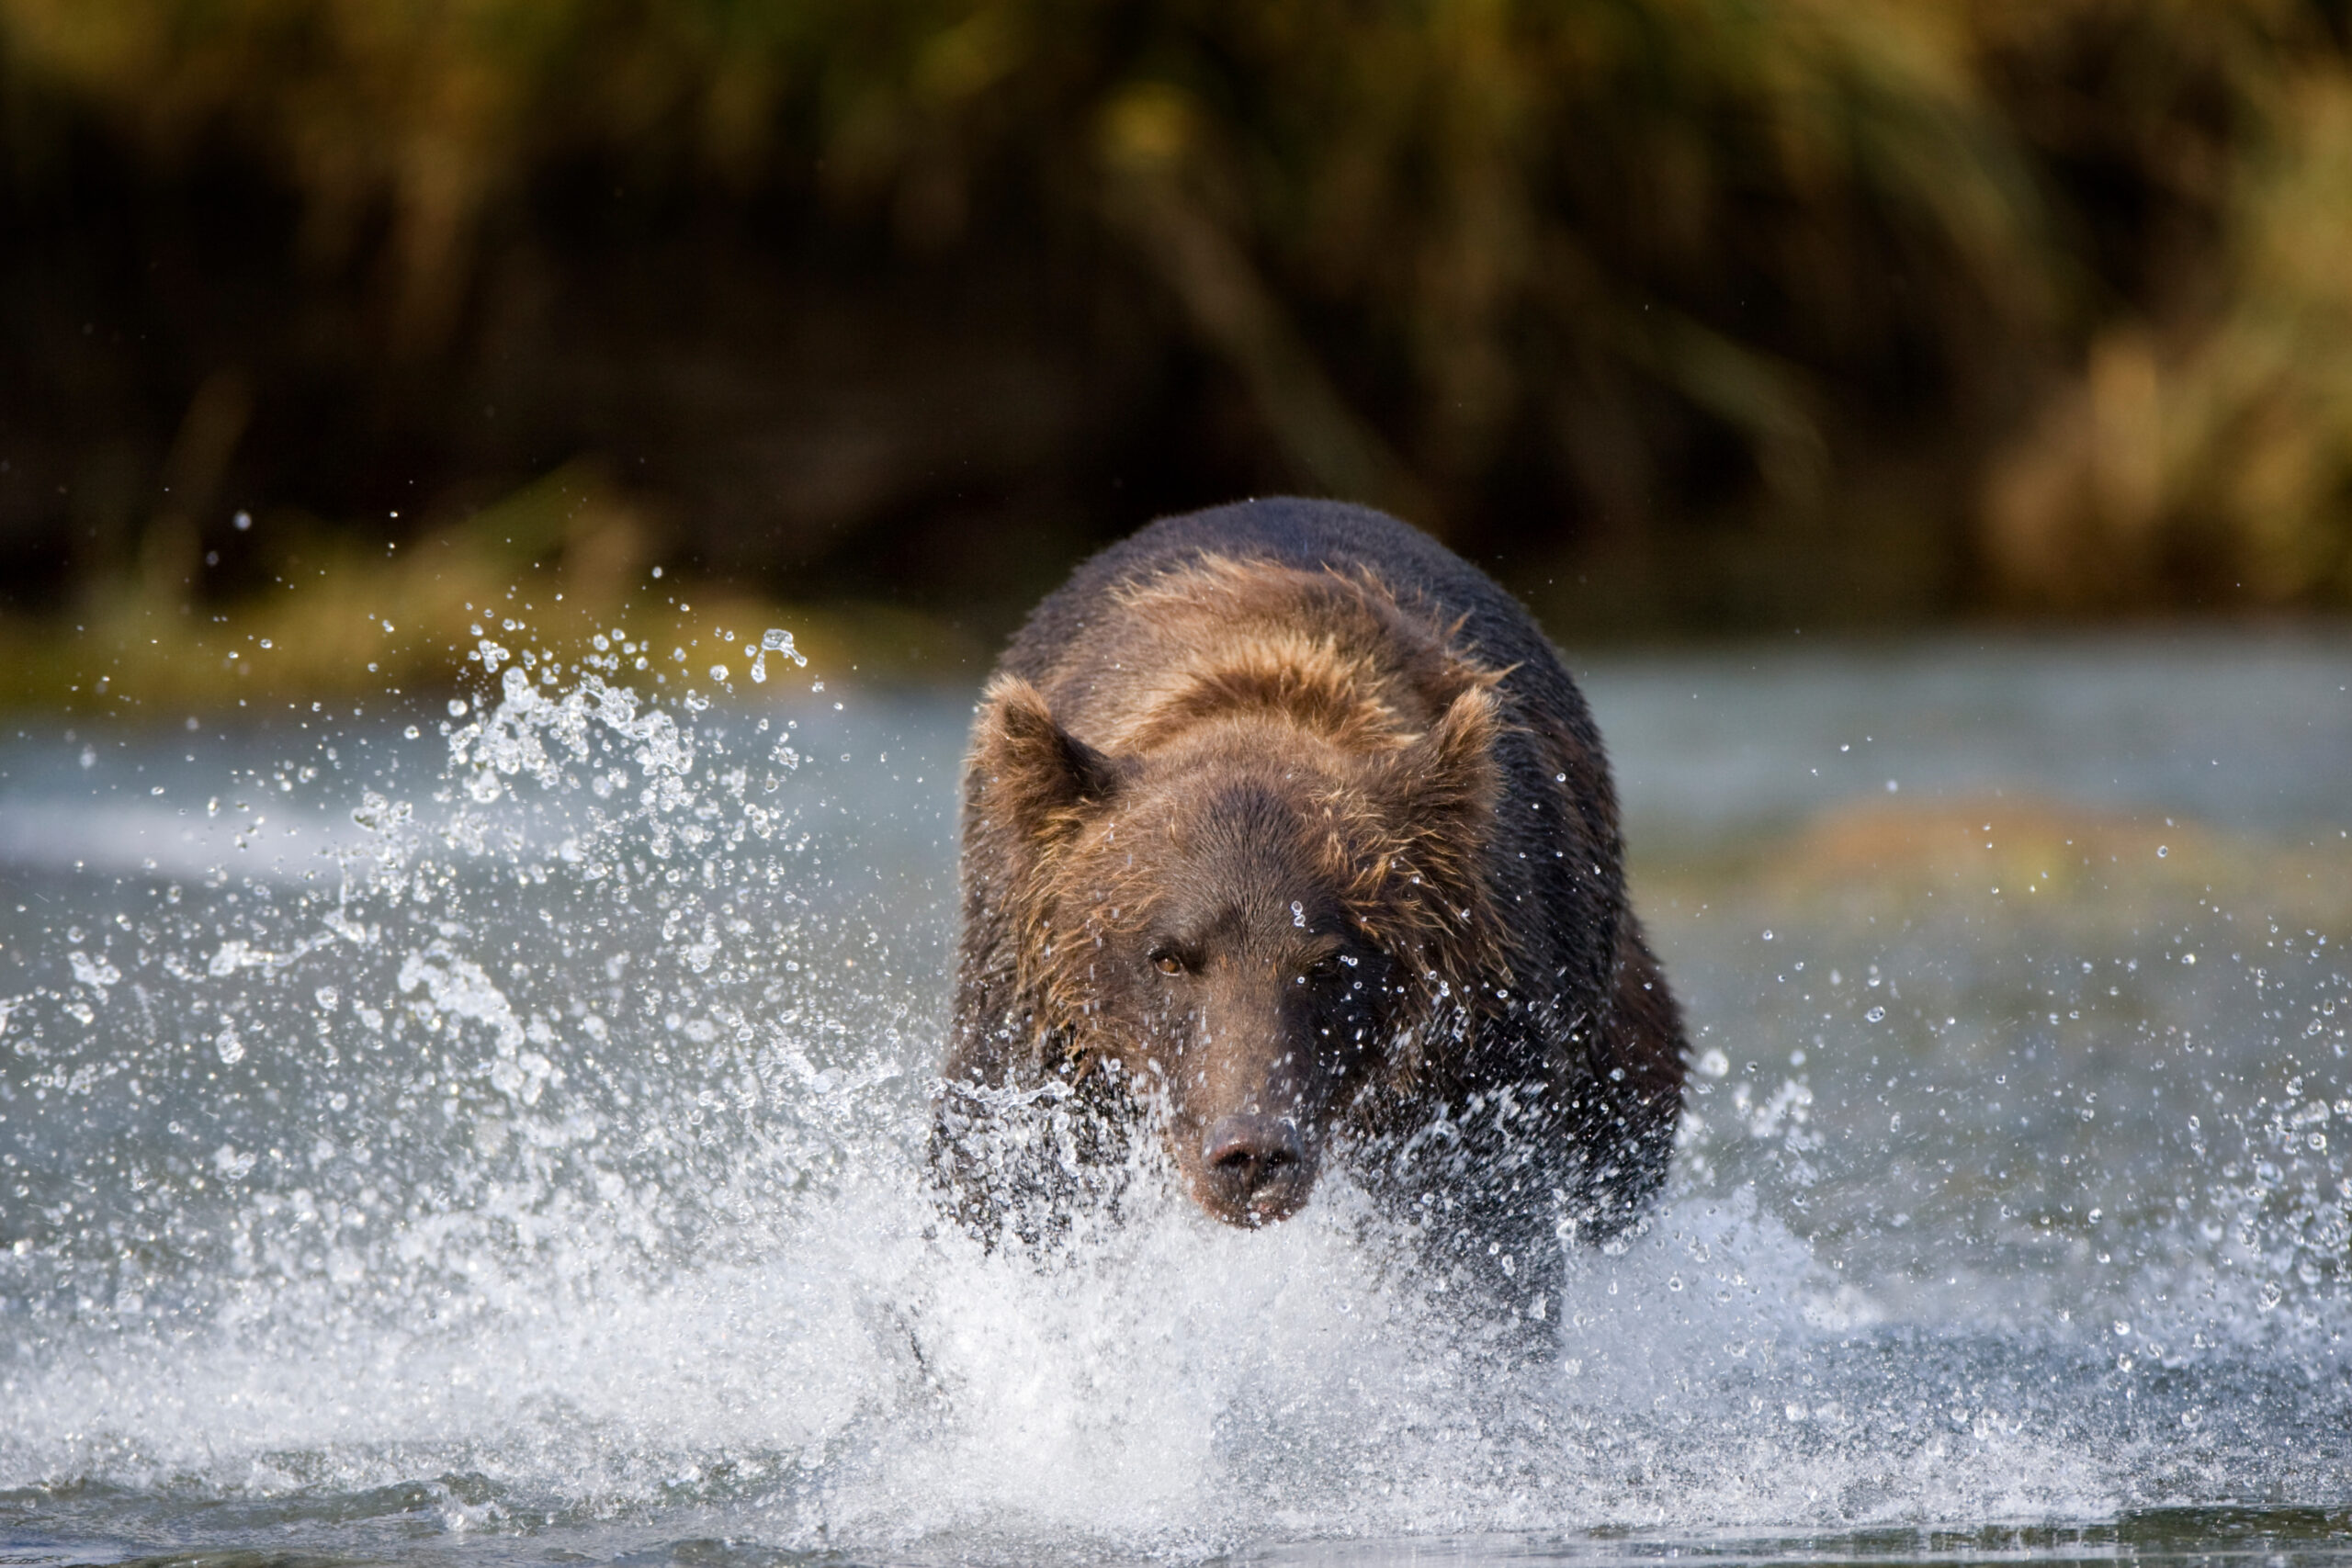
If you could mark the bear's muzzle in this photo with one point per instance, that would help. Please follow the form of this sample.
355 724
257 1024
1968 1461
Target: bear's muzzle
1254 1169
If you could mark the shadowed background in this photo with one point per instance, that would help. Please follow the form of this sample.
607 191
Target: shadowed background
1681 315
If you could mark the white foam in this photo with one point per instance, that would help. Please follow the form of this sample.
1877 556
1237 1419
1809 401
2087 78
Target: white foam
588 1184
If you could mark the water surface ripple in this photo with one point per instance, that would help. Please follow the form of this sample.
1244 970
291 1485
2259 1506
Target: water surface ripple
495 1136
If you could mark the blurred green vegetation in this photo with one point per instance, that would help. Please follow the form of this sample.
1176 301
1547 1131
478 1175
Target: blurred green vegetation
1684 313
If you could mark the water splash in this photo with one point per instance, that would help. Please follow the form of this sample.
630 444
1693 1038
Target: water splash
529 1148
774 640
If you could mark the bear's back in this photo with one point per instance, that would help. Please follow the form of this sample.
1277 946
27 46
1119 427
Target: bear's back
1312 534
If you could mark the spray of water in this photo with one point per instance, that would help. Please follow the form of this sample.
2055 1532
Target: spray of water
537 1149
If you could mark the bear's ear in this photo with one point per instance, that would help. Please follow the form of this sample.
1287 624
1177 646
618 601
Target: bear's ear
1441 792
1445 783
1033 774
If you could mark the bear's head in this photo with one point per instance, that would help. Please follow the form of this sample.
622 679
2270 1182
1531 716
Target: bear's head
1248 921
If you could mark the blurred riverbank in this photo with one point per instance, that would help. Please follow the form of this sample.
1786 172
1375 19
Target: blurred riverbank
339 619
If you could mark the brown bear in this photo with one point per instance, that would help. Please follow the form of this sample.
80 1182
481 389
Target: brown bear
1288 838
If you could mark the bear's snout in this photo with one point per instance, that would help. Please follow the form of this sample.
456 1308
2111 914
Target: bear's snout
1254 1169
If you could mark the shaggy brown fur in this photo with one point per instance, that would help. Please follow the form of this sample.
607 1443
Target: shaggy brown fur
1246 841
1389 729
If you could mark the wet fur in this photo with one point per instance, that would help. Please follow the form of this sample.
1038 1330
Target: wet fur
1460 805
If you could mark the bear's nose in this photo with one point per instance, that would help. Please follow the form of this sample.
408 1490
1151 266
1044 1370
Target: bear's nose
1255 1167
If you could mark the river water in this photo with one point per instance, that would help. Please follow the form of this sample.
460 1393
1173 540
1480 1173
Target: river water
495 1137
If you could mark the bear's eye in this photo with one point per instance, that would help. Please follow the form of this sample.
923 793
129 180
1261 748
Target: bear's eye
1167 963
